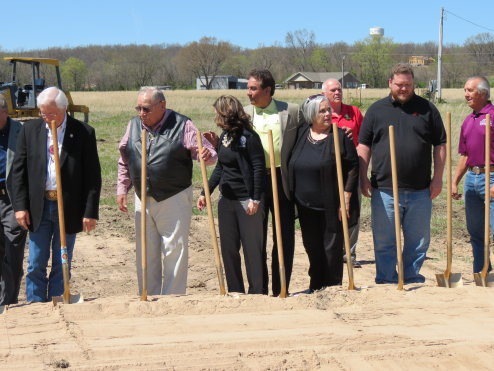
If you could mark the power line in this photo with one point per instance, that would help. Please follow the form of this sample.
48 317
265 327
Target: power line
466 20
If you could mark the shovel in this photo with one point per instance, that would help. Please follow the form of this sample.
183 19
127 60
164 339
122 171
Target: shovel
276 207
67 297
448 279
144 255
217 260
341 189
484 278
394 175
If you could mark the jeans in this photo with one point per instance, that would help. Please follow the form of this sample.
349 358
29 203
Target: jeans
39 287
415 216
474 190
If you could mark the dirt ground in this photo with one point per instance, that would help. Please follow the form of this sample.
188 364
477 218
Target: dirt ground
373 327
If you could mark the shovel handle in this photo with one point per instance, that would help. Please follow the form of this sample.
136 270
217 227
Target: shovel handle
276 207
449 238
394 176
144 262
212 228
487 203
61 215
344 220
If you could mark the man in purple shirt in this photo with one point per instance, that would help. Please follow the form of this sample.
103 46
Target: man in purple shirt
171 146
472 162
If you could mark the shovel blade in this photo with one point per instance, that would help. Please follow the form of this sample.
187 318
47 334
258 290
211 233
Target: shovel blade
455 280
2 309
441 280
74 299
485 281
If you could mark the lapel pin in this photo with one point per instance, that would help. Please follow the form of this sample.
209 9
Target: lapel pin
71 135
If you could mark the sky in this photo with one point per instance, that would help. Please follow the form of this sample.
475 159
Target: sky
55 23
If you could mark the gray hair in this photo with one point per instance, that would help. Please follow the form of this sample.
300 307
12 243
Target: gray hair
3 102
53 95
156 93
325 83
310 108
483 85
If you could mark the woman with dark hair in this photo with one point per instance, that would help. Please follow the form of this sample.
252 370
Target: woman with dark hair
314 188
240 173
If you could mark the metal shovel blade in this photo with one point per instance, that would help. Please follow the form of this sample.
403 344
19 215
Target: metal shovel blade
454 280
74 299
2 309
485 281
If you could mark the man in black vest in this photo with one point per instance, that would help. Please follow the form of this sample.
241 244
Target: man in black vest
171 147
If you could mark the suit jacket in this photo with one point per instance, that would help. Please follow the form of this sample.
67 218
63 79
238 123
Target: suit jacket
291 119
80 172
15 128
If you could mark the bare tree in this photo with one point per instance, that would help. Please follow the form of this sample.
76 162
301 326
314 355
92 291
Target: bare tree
204 58
301 43
481 47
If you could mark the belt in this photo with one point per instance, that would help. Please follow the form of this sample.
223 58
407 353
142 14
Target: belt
51 195
479 169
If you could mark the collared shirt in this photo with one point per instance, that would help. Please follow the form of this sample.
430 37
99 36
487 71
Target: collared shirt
4 146
268 119
51 175
124 182
472 136
350 117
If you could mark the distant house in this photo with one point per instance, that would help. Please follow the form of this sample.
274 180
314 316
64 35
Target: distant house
420 60
221 82
314 80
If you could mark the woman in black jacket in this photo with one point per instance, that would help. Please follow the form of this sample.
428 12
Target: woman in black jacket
314 188
240 173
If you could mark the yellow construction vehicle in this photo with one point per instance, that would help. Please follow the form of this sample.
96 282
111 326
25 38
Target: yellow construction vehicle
21 99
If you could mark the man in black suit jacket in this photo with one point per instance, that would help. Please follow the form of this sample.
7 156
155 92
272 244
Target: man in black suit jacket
34 184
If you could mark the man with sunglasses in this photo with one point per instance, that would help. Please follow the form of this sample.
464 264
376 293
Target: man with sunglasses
283 119
171 147
349 118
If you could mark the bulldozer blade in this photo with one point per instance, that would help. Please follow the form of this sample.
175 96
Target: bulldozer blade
74 299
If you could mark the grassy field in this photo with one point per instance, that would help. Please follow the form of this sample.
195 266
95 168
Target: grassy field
110 112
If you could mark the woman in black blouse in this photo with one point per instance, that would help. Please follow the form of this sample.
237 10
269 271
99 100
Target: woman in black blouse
240 173
314 188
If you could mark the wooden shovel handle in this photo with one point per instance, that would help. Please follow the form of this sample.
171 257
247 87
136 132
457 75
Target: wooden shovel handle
61 216
144 262
449 239
344 220
487 209
276 206
394 176
212 228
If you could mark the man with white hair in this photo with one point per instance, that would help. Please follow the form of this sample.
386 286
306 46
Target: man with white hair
171 147
35 196
12 236
472 162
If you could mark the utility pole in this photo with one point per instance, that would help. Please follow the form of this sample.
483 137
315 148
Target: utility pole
342 74
439 57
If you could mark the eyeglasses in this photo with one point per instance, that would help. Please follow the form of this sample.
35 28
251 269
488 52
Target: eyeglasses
45 115
146 109
315 96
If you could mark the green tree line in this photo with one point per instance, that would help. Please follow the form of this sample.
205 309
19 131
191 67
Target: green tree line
127 67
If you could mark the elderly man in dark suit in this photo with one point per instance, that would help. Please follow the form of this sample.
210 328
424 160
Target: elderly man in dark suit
12 236
283 119
35 198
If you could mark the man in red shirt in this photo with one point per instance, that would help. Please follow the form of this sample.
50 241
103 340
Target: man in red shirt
349 118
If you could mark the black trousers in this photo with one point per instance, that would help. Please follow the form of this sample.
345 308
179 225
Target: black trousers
287 221
324 249
12 244
237 227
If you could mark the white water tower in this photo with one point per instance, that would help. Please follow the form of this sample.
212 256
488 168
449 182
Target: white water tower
376 32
